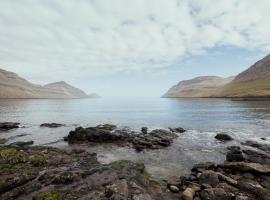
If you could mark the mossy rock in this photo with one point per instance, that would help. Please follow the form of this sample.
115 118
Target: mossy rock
13 156
50 195
37 160
3 140
64 178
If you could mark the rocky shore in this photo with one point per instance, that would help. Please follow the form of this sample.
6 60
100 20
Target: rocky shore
46 173
108 133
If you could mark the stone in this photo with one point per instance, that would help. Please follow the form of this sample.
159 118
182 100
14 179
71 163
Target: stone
257 157
209 177
144 130
174 189
188 194
223 137
261 146
118 190
248 167
200 167
177 130
22 143
216 194
234 154
155 139
8 125
51 125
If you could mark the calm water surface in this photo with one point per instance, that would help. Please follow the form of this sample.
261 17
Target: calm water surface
202 117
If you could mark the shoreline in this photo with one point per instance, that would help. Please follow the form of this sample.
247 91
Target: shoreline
244 174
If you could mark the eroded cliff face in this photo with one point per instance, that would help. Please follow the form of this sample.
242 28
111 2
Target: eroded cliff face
13 86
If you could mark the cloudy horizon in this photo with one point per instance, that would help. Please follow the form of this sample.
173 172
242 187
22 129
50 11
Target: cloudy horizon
143 47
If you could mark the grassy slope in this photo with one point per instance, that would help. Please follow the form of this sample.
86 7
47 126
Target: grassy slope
258 88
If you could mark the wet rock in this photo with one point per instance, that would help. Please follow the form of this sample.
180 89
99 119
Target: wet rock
209 177
257 157
155 139
177 130
234 154
216 194
117 191
108 127
8 125
52 125
223 137
263 147
188 194
144 130
252 167
200 167
22 143
3 140
97 134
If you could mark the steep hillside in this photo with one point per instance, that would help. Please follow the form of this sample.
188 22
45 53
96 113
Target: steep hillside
13 86
203 86
253 82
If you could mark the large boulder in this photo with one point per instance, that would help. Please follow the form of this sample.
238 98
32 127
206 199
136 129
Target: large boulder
97 134
235 154
223 137
8 125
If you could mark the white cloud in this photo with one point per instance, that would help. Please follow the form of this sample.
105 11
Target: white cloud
79 38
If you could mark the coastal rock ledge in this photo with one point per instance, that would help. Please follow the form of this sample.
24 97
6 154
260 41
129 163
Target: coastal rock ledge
107 133
43 173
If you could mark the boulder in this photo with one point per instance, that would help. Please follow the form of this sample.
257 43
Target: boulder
8 125
209 177
51 125
144 130
188 194
223 137
234 154
174 189
177 130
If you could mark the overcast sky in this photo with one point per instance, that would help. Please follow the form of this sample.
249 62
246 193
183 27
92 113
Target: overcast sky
134 48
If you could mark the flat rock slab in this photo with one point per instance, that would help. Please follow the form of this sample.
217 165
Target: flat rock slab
244 166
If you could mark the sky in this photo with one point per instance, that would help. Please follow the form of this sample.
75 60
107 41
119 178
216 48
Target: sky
131 48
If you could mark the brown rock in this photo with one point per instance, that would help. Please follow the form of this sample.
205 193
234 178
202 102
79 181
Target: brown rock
209 177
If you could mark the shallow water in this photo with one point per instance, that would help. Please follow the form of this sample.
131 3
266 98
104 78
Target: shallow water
202 117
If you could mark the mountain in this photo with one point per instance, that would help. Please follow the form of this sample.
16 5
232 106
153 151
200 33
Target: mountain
253 82
13 86
203 86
